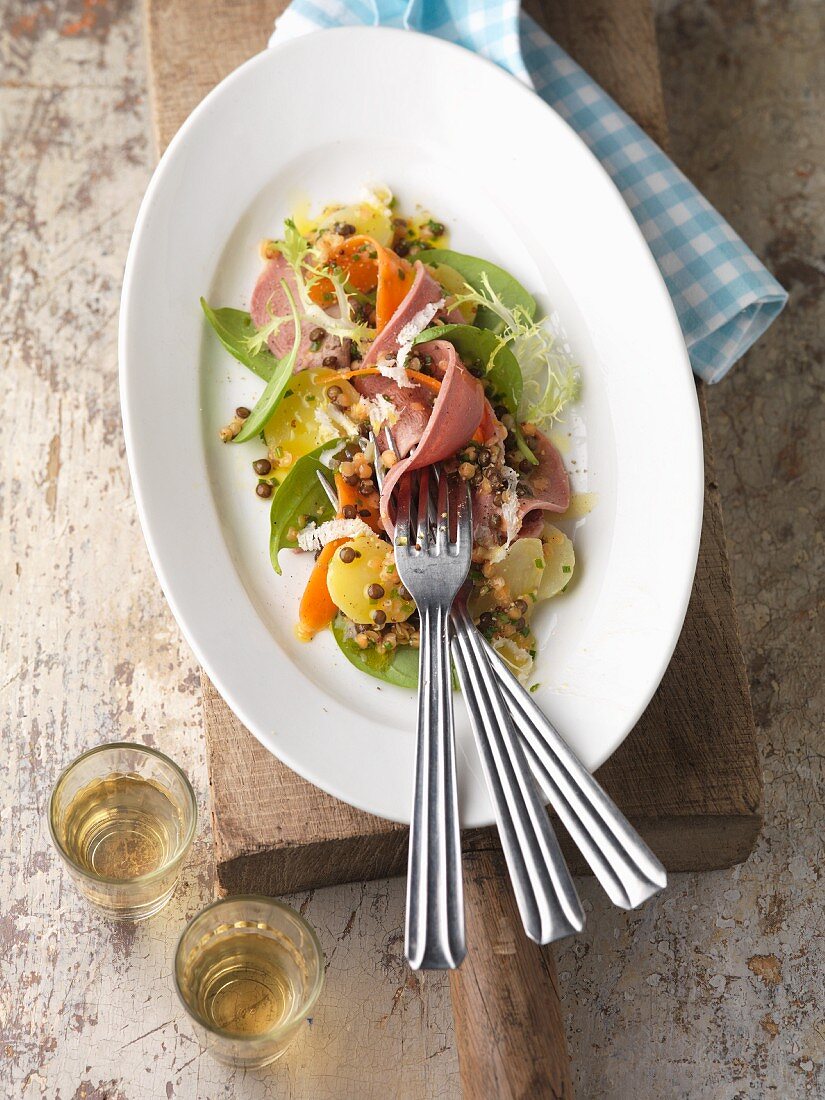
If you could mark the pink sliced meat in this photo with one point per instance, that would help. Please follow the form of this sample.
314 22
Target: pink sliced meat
548 483
413 406
269 300
451 317
456 413
424 291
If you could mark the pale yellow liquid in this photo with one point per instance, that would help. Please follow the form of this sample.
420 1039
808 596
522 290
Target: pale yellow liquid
582 504
244 978
121 827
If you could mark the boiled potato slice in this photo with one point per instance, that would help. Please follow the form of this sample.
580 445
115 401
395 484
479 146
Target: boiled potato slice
453 284
559 561
349 582
517 657
294 430
521 569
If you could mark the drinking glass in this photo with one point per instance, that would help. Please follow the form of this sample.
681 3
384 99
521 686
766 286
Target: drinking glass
123 818
248 970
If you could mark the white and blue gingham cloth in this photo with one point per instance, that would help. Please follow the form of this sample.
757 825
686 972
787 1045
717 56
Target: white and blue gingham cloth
724 297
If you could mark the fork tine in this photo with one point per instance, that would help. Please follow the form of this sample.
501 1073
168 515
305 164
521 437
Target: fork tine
377 464
402 515
332 496
387 430
460 506
442 513
422 534
436 473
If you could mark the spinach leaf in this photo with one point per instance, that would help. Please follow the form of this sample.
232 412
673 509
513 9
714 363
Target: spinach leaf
234 327
398 666
299 494
502 283
500 365
267 403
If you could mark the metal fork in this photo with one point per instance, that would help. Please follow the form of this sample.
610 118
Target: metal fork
625 866
432 568
548 903
627 869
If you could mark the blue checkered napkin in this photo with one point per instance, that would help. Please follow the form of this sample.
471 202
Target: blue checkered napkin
724 297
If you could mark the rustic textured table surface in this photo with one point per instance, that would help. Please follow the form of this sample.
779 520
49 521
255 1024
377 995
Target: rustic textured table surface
714 990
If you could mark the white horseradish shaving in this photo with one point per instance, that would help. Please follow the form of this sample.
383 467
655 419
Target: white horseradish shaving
380 411
397 372
414 327
315 538
333 421
509 513
377 194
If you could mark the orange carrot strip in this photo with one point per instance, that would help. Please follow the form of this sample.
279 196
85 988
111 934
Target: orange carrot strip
394 284
369 266
488 426
356 257
317 609
427 380
348 494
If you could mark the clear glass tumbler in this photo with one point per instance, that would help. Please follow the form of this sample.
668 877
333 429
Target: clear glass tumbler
248 971
123 818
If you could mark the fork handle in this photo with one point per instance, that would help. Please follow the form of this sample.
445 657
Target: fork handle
547 899
435 897
627 869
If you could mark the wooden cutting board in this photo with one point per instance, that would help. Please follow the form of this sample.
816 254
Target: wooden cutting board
688 776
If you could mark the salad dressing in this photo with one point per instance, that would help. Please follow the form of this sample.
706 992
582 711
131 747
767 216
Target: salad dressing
581 504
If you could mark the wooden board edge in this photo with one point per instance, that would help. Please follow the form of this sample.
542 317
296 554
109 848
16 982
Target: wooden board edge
326 863
684 844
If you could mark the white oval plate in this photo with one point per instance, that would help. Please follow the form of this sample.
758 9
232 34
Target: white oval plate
318 117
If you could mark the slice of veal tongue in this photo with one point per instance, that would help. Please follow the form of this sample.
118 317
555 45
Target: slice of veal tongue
413 407
549 484
269 300
456 413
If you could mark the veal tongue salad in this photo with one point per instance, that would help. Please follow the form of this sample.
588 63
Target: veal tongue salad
362 319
